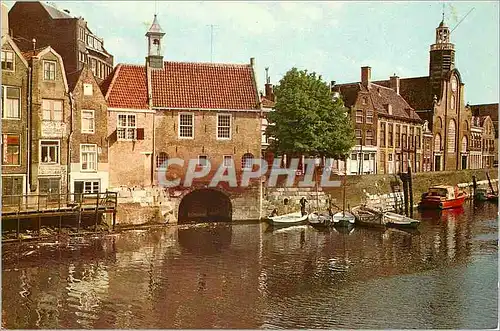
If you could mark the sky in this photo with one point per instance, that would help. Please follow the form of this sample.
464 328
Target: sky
334 39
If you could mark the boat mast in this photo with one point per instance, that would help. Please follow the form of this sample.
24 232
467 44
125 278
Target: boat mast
343 194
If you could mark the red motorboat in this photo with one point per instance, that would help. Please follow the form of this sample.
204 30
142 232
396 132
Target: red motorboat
443 197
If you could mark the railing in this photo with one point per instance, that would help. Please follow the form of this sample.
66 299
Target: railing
58 202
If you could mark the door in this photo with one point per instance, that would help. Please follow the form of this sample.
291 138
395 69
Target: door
437 162
464 162
78 190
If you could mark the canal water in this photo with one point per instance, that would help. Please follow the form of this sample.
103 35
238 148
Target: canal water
247 276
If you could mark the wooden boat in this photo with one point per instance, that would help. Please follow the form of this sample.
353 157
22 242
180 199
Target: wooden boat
399 221
288 219
343 218
317 219
367 217
443 197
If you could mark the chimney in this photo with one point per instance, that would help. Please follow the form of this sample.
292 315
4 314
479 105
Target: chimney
394 82
252 61
269 94
366 73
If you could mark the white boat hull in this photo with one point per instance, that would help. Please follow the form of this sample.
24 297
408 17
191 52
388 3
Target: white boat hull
288 219
343 218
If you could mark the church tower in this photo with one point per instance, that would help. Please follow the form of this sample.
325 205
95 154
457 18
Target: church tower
155 35
442 58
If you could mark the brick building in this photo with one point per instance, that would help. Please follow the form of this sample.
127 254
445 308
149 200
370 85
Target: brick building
164 110
15 149
88 134
49 122
490 110
475 144
69 36
388 131
488 139
439 99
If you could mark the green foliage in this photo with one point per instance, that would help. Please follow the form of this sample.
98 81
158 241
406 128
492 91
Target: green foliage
306 119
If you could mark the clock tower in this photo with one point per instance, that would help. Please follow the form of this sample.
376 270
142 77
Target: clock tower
442 58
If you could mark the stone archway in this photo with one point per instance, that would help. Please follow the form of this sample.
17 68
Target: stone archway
205 205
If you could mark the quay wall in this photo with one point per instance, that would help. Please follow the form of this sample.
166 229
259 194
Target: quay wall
361 189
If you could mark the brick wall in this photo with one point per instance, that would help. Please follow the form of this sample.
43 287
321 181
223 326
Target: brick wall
130 161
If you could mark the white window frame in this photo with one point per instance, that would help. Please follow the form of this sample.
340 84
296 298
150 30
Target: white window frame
361 116
127 126
206 161
230 126
83 117
180 126
229 157
52 111
45 63
369 116
81 57
4 98
89 161
4 59
93 185
58 151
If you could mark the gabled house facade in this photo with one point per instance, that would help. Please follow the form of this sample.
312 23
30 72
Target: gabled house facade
88 134
15 102
49 122
207 112
388 131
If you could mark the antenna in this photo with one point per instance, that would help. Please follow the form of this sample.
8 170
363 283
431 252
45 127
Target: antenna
456 26
156 7
443 12
267 76
211 41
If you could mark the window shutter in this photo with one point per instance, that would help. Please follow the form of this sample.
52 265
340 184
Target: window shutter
113 137
140 133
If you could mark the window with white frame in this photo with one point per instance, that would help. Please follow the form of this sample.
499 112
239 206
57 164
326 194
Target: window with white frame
127 127
161 160
81 35
91 186
11 149
186 127
359 116
228 161
81 57
369 116
88 121
223 126
11 101
8 60
87 89
49 151
49 70
247 161
88 157
202 161
52 110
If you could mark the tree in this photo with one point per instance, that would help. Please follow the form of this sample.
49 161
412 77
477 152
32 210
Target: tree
307 120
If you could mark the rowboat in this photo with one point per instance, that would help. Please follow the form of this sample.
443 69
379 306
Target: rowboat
443 197
399 221
288 219
343 218
321 220
367 217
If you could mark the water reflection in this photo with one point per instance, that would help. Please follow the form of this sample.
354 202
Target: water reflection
244 276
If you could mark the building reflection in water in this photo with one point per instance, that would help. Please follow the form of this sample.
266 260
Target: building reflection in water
242 276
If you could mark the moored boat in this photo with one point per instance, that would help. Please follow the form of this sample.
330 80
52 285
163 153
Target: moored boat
443 197
288 219
318 219
367 217
343 218
399 221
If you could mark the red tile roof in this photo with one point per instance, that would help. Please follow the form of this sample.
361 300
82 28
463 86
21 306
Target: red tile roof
183 85
490 110
127 87
205 86
29 54
266 103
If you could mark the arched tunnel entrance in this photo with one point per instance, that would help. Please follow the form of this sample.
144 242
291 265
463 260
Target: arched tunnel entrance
205 205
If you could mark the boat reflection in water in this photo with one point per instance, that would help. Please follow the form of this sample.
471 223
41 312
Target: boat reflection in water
242 276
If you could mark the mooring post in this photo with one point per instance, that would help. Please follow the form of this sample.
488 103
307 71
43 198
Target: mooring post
60 221
405 191
474 186
114 219
96 212
410 193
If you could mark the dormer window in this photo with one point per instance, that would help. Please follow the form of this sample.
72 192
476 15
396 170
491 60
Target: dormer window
49 70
